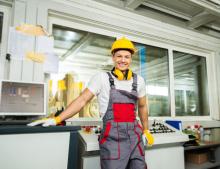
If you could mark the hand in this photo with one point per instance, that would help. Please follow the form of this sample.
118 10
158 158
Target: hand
46 122
149 137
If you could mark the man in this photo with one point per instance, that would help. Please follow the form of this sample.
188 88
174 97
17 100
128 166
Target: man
119 92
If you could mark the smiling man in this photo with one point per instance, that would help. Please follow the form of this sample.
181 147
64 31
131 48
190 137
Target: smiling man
119 93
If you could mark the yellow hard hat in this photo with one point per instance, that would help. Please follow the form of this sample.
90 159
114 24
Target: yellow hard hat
123 43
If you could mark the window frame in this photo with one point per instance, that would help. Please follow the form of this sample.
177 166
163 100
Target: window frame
63 20
208 58
6 10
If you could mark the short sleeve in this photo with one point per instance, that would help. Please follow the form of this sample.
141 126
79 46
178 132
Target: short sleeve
94 84
142 87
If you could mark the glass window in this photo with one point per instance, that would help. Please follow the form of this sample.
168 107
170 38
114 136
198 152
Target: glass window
190 81
82 52
81 55
153 67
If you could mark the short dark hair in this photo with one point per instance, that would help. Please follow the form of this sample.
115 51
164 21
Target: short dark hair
129 50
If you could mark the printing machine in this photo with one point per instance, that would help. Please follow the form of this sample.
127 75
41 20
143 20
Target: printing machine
30 147
28 99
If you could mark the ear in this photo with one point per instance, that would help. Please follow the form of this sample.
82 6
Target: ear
113 58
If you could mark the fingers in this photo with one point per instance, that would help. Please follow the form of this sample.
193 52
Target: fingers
45 125
35 123
45 122
49 122
144 139
149 138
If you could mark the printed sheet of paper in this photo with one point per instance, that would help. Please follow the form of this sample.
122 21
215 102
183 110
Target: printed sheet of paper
44 44
51 64
19 44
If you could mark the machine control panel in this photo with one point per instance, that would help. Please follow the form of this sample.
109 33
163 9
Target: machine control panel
163 134
91 129
159 127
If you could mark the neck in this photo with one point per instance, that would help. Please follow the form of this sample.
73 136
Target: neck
124 72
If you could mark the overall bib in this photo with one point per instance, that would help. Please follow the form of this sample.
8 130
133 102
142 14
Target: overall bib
121 145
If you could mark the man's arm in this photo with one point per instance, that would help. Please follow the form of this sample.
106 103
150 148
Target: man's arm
76 105
143 112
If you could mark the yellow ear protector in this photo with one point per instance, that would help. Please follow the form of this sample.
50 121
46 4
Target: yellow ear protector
120 76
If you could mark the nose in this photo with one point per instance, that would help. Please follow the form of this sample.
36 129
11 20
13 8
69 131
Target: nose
123 59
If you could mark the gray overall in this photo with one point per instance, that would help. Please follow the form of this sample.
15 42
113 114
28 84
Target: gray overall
121 145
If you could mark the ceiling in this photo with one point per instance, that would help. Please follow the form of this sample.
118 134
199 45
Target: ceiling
198 15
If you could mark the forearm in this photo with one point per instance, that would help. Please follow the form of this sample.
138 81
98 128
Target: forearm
143 114
72 109
76 105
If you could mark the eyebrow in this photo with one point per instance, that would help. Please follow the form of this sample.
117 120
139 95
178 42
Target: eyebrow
121 55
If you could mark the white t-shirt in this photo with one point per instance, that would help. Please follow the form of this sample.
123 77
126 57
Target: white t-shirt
99 86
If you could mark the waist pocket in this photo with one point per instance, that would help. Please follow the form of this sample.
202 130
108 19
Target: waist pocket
109 143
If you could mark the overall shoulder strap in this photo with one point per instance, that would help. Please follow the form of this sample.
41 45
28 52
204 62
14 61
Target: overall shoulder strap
111 80
134 84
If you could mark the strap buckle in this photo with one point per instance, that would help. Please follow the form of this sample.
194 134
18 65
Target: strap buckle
134 86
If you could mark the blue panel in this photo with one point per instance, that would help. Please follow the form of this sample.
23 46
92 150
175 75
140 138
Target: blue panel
143 61
175 123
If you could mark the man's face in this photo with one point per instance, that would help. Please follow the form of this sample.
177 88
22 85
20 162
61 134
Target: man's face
122 59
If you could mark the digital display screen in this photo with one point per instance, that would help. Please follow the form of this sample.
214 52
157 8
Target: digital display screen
22 98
